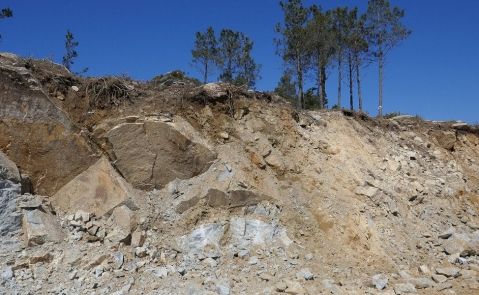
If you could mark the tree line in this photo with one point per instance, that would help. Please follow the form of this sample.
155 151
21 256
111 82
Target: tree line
312 41
230 53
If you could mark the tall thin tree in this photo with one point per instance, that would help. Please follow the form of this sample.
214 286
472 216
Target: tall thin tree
322 45
385 32
339 20
293 44
205 52
71 52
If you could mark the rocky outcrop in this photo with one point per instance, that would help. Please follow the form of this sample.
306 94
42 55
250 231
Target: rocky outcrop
35 133
98 190
10 189
152 153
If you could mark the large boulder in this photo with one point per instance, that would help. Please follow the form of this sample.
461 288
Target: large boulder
40 227
35 133
98 190
152 153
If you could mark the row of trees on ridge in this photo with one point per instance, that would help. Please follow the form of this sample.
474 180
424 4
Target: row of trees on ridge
312 40
230 53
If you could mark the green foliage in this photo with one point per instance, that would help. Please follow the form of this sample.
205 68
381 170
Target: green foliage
237 65
231 53
384 26
5 13
286 87
293 45
70 47
392 115
205 52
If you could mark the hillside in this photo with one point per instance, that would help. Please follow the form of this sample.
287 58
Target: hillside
114 186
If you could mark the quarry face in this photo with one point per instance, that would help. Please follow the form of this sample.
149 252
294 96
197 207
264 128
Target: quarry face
214 189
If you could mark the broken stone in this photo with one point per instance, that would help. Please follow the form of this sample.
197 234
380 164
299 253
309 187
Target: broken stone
423 283
138 238
257 160
367 191
405 288
124 222
224 135
424 269
40 227
439 278
275 161
448 271
305 274
40 258
448 233
379 281
118 259
97 190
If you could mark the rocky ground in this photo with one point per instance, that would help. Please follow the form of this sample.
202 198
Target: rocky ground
113 186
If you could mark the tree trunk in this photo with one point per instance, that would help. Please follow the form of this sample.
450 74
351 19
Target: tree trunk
206 73
299 73
319 79
350 65
381 77
323 84
340 78
358 81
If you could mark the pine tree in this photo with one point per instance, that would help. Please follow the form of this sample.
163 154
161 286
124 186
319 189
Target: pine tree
386 31
5 13
205 52
286 87
293 45
322 47
339 16
359 52
235 60
248 69
70 47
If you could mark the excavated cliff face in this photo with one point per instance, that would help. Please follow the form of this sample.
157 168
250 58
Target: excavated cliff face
216 190
35 133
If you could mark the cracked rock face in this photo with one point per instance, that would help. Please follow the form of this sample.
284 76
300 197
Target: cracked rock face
9 192
35 134
150 154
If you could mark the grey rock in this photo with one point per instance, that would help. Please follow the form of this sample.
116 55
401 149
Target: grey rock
40 227
7 274
405 288
253 260
423 283
380 281
223 288
118 259
306 274
8 169
448 271
448 233
160 272
439 278
205 236
210 262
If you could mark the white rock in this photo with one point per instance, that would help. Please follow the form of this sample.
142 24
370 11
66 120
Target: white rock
380 281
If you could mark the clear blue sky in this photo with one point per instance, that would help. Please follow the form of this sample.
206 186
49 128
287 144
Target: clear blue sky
435 73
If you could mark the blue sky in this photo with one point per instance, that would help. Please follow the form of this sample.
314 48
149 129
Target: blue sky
435 73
